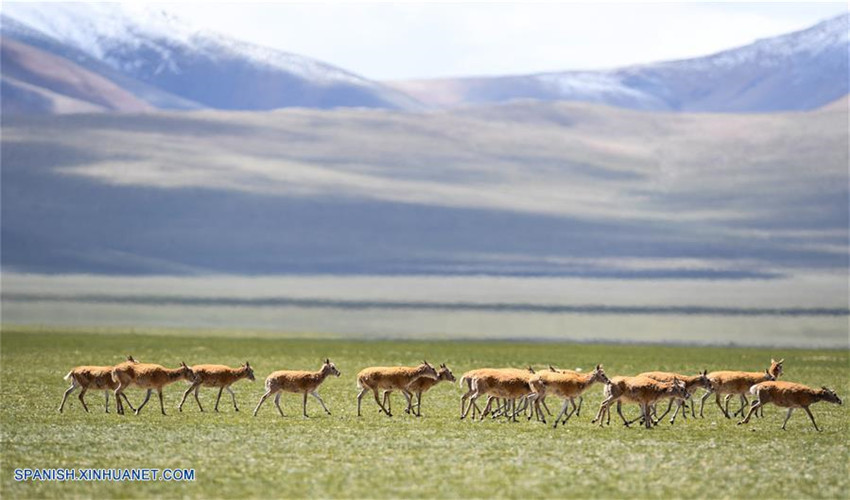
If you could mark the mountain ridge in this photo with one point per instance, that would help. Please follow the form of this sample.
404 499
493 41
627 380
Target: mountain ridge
152 52
810 65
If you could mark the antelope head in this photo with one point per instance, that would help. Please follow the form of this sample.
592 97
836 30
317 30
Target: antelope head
776 368
445 373
703 380
428 371
330 368
679 389
185 372
830 396
598 375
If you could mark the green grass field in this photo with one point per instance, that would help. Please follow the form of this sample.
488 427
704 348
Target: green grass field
237 455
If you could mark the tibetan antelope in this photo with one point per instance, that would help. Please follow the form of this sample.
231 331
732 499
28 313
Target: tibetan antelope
147 376
729 383
692 382
789 395
96 378
543 398
304 382
641 390
220 376
424 384
564 385
468 380
388 379
510 384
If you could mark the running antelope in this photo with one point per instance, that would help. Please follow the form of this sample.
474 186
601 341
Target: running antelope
542 399
217 376
390 379
468 379
564 385
730 383
147 376
692 382
789 395
510 384
424 384
96 378
641 390
303 382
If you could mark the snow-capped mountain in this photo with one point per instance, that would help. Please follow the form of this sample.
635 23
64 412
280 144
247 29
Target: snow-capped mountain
801 70
196 66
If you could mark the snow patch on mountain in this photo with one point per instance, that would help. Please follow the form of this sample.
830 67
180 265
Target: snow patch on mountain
118 33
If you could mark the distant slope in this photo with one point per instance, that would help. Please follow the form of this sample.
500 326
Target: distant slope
798 71
154 56
550 189
839 104
39 82
37 41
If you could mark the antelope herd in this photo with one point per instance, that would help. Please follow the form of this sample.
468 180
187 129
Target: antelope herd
510 392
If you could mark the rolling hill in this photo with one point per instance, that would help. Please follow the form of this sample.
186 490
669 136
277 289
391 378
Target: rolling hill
528 188
798 71
170 64
35 81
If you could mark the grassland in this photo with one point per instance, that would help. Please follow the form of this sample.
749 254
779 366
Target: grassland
235 454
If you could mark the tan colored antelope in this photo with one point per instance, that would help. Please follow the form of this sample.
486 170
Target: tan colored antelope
510 384
729 383
789 395
391 378
564 385
96 378
424 384
542 398
468 379
692 383
643 391
147 376
299 382
220 376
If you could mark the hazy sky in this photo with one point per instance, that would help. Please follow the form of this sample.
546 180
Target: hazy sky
414 40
